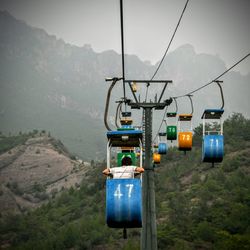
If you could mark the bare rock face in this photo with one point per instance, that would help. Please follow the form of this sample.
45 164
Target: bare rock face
33 172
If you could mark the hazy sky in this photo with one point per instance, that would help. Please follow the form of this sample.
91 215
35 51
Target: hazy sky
211 26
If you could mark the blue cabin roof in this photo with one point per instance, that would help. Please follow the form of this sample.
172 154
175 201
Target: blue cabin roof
212 113
125 138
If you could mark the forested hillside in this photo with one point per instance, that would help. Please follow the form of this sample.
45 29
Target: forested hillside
198 206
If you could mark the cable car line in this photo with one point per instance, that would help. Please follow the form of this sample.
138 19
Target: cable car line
217 78
170 40
122 48
129 137
177 26
205 85
148 84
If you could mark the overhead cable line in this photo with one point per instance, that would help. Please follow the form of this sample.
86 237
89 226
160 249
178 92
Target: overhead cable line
215 79
122 48
170 40
177 26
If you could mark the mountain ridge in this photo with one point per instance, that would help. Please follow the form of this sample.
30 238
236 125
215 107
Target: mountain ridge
49 84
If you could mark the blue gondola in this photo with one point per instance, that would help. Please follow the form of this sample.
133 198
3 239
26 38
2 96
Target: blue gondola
213 148
162 143
124 203
124 196
213 141
162 148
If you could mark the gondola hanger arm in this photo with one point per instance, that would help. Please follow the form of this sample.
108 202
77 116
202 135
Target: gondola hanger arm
114 81
221 92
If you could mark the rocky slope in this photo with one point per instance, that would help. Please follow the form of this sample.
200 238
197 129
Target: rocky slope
33 172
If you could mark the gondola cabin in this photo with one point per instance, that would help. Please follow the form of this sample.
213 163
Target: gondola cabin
124 196
126 121
185 134
171 128
162 149
162 146
213 139
123 203
156 158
